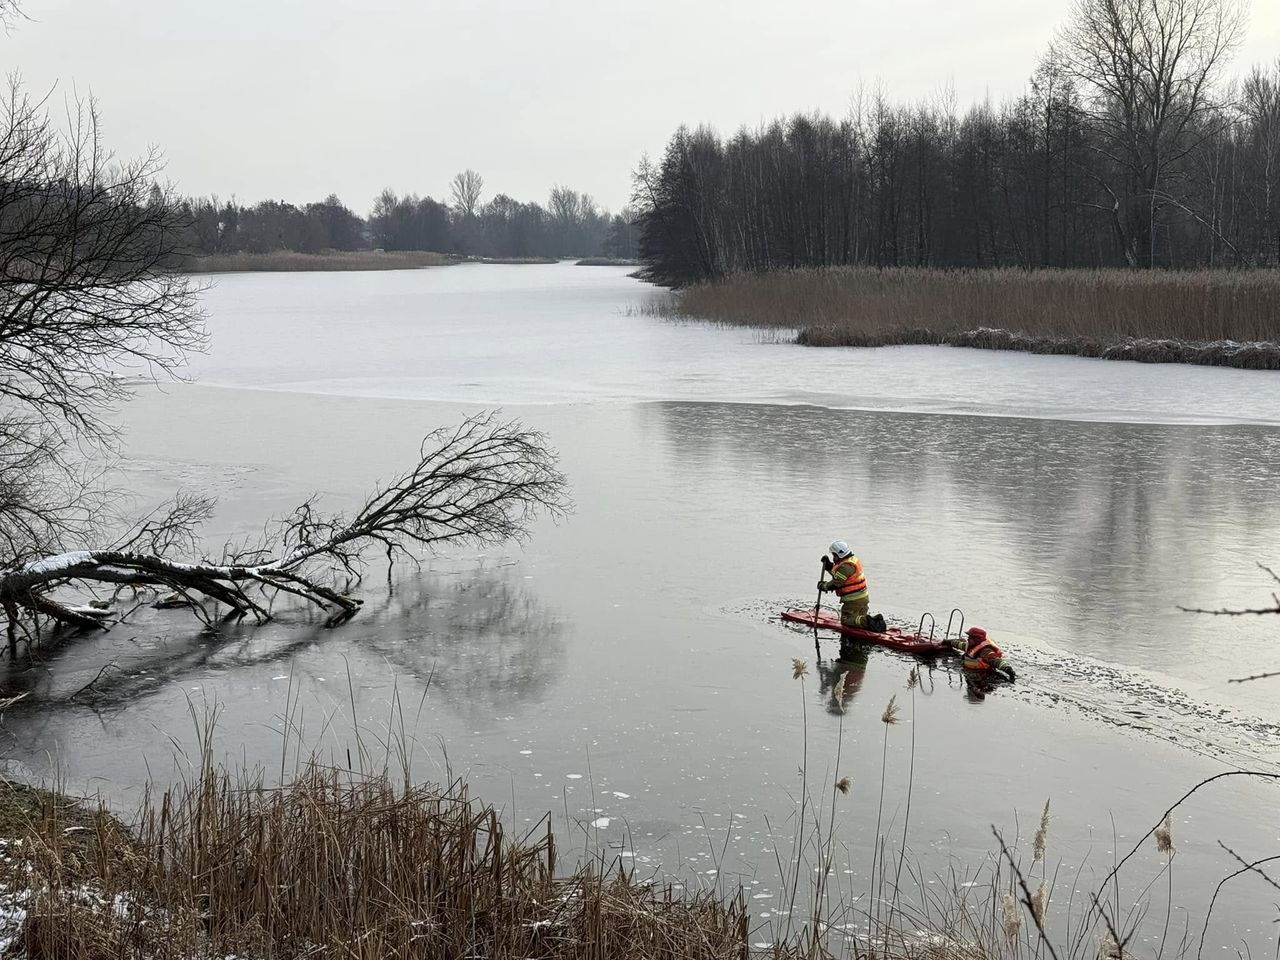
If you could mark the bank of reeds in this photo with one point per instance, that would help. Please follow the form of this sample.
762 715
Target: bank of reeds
1229 318
338 865
288 261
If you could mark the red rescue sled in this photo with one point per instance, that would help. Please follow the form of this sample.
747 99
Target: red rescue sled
892 638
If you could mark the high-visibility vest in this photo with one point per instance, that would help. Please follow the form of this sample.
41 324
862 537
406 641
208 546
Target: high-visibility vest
850 579
972 655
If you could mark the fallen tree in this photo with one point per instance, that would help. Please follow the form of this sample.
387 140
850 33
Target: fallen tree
481 482
91 299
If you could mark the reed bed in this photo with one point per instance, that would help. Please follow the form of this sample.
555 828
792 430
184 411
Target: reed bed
366 864
339 865
1229 318
289 261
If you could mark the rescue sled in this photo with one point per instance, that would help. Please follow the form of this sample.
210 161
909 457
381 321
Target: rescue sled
894 638
897 639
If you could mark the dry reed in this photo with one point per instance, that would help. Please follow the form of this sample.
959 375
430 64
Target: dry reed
1229 318
289 261
341 865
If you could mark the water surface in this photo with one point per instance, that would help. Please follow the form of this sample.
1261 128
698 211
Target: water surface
626 668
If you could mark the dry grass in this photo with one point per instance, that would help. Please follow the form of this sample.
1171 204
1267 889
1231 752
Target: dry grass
1211 317
341 865
286 261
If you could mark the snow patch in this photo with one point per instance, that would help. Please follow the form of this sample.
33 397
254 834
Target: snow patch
60 562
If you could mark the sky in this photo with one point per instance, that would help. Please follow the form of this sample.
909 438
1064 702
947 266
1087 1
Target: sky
296 99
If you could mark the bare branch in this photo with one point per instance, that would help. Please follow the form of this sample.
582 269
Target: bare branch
484 481
89 301
1256 676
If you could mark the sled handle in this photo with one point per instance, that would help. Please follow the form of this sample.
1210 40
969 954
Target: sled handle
933 625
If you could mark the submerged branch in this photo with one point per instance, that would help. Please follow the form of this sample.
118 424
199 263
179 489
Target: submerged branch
481 482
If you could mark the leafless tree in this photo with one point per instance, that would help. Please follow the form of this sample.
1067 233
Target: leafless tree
1260 107
89 296
480 482
1129 147
1150 67
465 188
91 299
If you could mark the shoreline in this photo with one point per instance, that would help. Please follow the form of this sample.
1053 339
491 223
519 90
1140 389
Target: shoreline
229 862
224 864
1255 355
1205 318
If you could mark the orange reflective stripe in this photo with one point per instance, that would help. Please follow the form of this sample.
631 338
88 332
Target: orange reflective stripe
851 586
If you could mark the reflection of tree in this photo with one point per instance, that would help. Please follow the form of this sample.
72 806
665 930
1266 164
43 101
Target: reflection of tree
477 637
483 639
1115 525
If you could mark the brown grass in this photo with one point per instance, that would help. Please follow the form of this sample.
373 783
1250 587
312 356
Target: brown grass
341 865
290 261
1210 317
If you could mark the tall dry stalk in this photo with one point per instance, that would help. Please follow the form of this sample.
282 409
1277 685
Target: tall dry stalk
888 718
342 864
839 787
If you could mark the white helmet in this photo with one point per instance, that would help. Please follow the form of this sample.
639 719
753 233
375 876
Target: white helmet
840 549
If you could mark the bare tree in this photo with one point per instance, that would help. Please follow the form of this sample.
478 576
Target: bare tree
89 296
90 299
481 482
1150 67
1260 105
465 188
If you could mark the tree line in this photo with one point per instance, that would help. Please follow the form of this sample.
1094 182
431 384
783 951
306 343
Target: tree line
571 224
1128 148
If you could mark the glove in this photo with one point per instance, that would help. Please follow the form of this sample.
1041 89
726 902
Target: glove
826 563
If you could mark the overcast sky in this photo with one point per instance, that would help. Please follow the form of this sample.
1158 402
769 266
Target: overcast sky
294 99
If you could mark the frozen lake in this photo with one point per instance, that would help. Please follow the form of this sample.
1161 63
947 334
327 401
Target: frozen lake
626 669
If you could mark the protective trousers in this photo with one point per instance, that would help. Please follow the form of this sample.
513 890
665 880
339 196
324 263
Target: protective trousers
853 613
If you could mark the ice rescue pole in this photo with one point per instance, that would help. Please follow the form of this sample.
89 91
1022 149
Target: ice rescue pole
817 608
